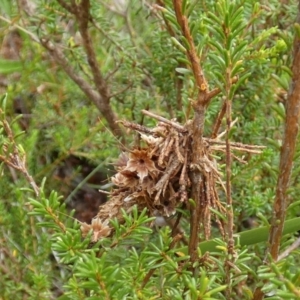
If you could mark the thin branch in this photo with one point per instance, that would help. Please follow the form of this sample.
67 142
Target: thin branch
134 126
89 91
130 29
111 73
191 52
159 7
235 145
115 11
162 119
66 6
30 34
222 112
16 159
222 149
218 121
217 90
122 90
148 276
290 249
120 48
225 132
83 15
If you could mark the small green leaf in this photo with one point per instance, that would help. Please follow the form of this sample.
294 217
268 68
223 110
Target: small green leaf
192 202
3 102
183 71
203 283
216 290
10 66
177 44
183 6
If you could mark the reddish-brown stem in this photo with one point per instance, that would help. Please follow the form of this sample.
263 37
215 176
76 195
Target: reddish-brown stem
217 90
219 120
222 112
287 152
286 157
174 227
191 52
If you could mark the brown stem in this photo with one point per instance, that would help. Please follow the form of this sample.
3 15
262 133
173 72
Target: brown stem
148 276
191 52
196 179
230 241
66 6
196 132
222 112
217 90
219 120
286 157
100 94
287 151
229 209
175 225
83 15
89 91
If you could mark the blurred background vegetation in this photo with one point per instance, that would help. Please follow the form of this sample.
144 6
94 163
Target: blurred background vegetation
68 141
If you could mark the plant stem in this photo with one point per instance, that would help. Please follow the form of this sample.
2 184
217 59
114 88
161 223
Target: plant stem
287 152
199 107
286 156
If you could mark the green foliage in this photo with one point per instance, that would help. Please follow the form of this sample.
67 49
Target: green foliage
8 67
245 50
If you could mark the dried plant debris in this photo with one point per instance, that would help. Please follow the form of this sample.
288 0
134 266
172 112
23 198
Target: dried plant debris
157 174
99 229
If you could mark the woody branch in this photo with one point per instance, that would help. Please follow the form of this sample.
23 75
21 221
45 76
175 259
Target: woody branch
199 107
